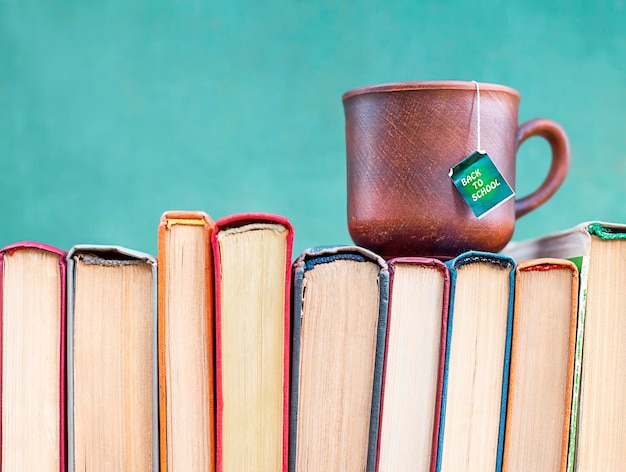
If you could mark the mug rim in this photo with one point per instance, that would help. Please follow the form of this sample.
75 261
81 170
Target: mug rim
428 85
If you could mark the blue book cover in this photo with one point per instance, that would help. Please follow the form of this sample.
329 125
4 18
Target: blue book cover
477 362
357 331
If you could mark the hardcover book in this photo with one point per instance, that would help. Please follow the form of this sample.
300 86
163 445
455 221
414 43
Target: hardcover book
599 391
252 292
339 324
542 366
413 367
186 342
476 372
32 366
112 360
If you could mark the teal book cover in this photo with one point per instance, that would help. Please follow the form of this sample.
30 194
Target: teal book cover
477 362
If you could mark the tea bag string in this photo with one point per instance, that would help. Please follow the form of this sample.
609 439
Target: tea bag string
478 147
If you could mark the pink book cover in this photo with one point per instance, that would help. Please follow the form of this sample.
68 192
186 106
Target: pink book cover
443 269
10 249
233 221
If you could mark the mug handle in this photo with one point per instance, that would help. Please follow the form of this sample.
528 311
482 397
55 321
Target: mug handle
556 137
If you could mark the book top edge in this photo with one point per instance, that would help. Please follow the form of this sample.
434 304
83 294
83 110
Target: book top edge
471 257
33 245
323 254
185 217
566 244
241 219
546 263
110 253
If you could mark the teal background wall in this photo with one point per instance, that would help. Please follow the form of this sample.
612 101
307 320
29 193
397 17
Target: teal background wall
113 111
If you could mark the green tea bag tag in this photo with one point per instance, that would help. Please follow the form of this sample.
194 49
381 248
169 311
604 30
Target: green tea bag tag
481 184
478 179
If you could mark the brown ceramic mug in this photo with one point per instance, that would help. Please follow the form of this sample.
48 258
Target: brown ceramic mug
402 139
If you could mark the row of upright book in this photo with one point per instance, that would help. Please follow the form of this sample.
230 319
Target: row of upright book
223 353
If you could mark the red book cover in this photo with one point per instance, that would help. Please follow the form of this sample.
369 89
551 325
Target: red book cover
12 307
413 369
252 258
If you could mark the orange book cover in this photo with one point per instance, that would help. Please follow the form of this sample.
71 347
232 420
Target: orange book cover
198 262
542 360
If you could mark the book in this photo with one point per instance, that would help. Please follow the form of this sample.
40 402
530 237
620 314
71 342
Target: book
476 372
542 366
32 367
252 254
112 360
413 366
597 431
340 298
186 342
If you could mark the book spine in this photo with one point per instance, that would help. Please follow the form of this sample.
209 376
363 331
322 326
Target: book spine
168 219
454 264
233 221
443 269
578 359
378 369
62 338
296 332
124 253
307 260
